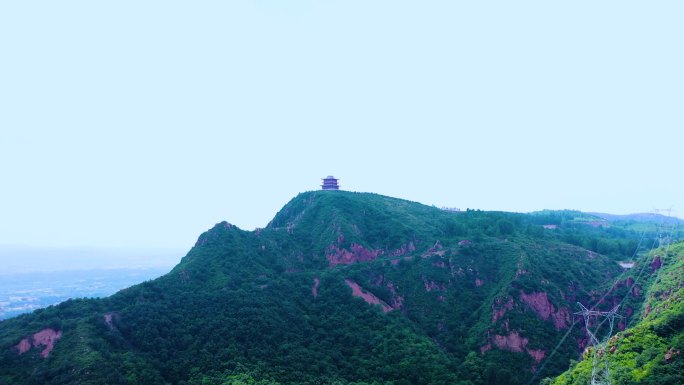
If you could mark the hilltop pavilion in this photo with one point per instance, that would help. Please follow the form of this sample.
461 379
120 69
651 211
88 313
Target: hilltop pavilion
330 183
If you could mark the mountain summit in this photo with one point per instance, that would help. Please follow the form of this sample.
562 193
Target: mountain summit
339 288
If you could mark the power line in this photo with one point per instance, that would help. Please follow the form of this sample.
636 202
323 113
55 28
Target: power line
572 326
600 375
600 371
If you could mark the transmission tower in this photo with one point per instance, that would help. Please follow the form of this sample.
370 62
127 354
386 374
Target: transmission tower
600 372
666 228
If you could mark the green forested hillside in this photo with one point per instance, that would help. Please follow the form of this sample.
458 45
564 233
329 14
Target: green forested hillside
649 352
340 288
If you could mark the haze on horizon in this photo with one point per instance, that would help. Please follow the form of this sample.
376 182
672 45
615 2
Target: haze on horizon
140 125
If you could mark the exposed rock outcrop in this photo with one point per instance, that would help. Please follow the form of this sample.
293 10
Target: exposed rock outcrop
404 249
540 304
370 298
436 247
513 342
656 264
46 337
109 319
397 300
538 354
314 289
670 354
357 253
434 286
561 318
499 308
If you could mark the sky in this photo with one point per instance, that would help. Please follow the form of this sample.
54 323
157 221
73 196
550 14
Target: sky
140 125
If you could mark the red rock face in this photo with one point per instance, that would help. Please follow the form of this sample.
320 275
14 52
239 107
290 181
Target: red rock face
561 319
622 325
537 355
370 298
432 285
314 289
405 249
512 342
436 247
358 253
656 264
397 300
628 312
670 354
45 337
539 302
583 343
499 308
109 320
23 346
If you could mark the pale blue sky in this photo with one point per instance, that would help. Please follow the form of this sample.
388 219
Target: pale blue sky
141 124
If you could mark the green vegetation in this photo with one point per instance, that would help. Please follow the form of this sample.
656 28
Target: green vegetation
650 352
467 298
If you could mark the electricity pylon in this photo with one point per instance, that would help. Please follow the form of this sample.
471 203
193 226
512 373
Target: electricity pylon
600 372
666 228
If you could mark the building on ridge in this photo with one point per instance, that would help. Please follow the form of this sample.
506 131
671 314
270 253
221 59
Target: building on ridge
330 183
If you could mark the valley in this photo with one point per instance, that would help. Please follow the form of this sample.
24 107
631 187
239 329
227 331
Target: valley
24 292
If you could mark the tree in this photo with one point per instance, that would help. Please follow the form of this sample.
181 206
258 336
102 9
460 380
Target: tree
506 227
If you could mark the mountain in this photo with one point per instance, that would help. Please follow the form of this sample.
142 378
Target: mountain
641 217
341 288
649 352
644 223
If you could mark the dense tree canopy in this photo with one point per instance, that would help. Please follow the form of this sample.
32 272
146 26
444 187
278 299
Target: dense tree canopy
342 288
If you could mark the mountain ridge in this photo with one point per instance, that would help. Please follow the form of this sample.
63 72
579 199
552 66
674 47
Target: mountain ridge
640 217
339 288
